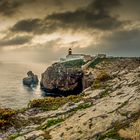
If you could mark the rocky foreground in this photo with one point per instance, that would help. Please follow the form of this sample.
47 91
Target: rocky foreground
109 109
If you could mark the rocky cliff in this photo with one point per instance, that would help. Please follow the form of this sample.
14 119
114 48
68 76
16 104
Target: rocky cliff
108 110
62 80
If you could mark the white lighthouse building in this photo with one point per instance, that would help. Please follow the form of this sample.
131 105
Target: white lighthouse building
71 56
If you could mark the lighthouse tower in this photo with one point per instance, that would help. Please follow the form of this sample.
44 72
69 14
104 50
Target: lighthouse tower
70 51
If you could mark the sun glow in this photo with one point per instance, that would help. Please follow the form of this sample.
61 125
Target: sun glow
41 39
66 40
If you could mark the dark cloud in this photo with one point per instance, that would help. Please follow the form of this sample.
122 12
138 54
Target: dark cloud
125 36
15 41
103 5
36 26
8 7
28 25
122 43
96 15
19 7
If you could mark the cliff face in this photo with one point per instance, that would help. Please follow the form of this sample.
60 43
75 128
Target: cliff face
61 80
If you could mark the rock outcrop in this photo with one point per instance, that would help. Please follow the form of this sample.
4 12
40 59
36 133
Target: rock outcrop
120 104
31 80
61 80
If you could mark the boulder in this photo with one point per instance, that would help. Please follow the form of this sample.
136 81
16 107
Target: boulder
61 80
31 80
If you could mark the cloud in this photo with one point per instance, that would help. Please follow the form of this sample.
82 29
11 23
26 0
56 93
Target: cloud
18 8
8 7
28 25
125 36
96 15
103 5
92 25
19 40
35 26
121 43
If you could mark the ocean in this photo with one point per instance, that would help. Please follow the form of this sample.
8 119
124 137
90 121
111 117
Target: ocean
13 94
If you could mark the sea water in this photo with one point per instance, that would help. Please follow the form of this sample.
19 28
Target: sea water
13 94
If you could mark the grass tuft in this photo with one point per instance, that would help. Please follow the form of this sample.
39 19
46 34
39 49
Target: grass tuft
51 123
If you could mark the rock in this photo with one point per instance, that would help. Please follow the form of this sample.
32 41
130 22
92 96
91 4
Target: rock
20 138
95 94
31 80
88 79
40 138
109 139
28 129
120 105
61 80
31 135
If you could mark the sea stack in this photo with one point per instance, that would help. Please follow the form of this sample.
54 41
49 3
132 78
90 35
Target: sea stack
31 80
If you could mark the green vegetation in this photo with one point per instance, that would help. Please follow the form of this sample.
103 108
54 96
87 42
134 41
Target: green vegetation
13 136
84 106
51 103
104 94
97 61
51 123
58 120
111 134
74 63
6 117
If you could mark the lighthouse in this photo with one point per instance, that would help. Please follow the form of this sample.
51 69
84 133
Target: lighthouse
70 51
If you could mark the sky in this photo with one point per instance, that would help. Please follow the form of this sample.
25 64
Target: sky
43 30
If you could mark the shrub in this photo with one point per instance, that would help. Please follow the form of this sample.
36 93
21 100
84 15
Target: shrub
100 81
6 113
104 94
3 122
103 76
6 116
51 103
96 84
74 63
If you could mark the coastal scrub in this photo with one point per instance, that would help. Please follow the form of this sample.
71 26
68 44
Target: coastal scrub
51 103
6 117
